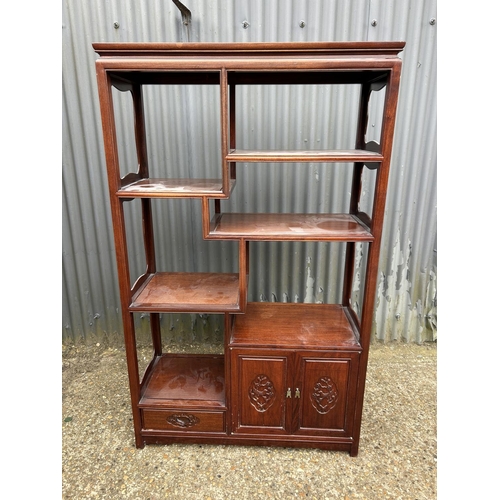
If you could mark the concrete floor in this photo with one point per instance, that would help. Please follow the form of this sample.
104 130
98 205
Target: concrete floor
397 458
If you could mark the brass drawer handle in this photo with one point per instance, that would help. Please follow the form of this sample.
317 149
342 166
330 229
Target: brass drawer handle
297 393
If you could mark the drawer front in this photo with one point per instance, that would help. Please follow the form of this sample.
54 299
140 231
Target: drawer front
186 421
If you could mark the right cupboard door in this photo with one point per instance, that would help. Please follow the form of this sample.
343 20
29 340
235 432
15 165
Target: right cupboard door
327 385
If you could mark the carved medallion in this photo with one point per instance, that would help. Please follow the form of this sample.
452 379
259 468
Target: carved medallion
325 395
262 393
183 420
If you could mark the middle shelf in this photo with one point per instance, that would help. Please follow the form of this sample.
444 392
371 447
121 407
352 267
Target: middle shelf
286 227
188 292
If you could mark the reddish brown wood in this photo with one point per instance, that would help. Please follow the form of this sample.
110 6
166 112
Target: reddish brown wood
271 50
186 380
232 127
312 155
328 388
243 275
224 117
184 421
304 326
289 392
387 135
188 292
174 188
292 374
294 227
364 99
259 394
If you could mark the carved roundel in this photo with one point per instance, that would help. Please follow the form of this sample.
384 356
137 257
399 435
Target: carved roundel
183 420
325 395
262 393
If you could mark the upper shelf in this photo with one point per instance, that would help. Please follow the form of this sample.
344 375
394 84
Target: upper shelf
339 155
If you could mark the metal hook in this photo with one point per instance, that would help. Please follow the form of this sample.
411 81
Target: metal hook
186 15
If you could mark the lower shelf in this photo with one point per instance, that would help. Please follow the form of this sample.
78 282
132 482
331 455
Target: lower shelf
185 393
193 381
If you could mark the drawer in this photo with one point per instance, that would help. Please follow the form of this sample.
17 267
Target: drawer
187 421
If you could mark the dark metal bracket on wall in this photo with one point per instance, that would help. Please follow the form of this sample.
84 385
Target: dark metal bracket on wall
186 17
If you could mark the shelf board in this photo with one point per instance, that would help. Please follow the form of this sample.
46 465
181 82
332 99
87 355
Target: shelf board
174 188
283 227
311 155
188 292
297 326
187 380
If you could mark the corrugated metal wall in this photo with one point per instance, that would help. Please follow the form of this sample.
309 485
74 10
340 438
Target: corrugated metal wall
281 271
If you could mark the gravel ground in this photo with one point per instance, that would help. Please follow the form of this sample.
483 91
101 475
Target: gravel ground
397 457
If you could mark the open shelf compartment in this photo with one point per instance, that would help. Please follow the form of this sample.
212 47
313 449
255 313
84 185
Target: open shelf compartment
286 226
188 292
193 380
291 325
175 188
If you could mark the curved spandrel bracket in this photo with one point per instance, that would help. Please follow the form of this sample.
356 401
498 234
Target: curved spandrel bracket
374 147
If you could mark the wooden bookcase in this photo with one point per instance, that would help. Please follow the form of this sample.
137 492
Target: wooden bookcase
291 374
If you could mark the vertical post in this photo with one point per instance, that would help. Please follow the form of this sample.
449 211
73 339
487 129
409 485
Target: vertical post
224 129
387 135
232 125
243 270
356 191
228 332
147 214
117 215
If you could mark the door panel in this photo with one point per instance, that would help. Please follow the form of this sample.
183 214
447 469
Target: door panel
328 394
260 393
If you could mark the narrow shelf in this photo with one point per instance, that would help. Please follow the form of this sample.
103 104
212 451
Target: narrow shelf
187 380
281 227
174 188
291 325
311 155
188 292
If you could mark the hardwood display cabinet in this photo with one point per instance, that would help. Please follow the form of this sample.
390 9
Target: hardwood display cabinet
292 374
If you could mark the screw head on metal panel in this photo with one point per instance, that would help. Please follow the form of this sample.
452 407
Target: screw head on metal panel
246 24
116 25
374 22
432 22
302 24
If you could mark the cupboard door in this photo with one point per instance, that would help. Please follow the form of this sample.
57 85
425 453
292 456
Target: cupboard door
258 392
328 392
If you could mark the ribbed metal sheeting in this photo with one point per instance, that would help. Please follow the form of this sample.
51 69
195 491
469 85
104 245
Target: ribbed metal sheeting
184 141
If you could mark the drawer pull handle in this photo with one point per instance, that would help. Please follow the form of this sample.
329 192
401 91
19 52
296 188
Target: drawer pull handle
183 420
297 393
289 393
